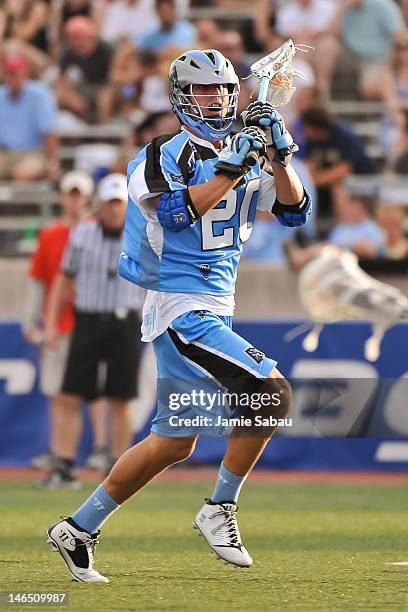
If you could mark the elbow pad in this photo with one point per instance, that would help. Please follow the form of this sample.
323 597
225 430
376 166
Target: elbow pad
293 215
175 210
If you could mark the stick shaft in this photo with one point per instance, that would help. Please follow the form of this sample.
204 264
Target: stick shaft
253 156
263 90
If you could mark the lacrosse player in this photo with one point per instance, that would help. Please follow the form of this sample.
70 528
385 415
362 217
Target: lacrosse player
193 197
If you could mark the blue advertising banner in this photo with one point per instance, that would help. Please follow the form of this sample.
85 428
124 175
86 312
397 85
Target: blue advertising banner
363 425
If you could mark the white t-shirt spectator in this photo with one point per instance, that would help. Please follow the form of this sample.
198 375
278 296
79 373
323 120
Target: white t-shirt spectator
155 95
292 17
122 20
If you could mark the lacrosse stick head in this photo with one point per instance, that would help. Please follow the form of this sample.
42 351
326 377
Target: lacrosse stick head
277 67
333 287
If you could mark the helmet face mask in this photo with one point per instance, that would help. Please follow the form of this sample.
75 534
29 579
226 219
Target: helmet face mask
204 68
205 112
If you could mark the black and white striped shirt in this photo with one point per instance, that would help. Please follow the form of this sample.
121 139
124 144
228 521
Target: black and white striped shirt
91 257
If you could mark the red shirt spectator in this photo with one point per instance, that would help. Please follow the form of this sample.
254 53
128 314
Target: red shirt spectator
45 265
76 189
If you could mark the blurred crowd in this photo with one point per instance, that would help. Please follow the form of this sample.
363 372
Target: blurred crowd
70 64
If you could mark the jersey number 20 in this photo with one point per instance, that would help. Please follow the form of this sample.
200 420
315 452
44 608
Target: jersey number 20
225 239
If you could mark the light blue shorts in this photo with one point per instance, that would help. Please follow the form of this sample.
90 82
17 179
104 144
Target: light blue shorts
203 367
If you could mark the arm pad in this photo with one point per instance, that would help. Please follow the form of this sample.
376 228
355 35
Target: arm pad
293 215
175 210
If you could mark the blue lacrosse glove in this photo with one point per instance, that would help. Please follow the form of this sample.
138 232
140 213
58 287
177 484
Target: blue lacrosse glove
242 152
293 215
262 114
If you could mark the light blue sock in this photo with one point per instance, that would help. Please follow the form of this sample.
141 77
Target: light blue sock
228 486
95 510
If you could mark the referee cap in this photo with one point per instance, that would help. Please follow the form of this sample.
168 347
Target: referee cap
77 179
113 187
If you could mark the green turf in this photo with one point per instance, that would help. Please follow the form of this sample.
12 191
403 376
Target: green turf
316 547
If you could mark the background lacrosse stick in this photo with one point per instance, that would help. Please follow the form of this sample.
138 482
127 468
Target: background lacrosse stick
333 287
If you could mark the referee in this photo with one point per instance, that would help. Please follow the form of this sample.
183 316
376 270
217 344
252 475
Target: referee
105 349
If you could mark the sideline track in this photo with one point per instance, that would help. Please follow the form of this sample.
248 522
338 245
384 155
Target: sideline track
206 474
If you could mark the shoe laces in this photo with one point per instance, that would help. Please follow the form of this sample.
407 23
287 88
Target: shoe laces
229 523
90 541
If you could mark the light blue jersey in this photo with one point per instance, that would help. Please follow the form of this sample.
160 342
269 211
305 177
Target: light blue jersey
204 257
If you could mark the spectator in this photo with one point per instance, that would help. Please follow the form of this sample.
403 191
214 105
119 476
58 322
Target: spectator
82 85
400 73
165 123
394 124
308 22
369 29
404 10
265 24
209 34
28 143
128 19
63 10
126 76
154 91
356 229
153 125
24 29
391 220
75 191
25 21
139 83
231 46
66 9
173 34
107 324
331 151
16 28
306 92
76 188
397 148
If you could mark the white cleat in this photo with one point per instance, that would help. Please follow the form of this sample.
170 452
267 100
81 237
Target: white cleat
218 524
77 549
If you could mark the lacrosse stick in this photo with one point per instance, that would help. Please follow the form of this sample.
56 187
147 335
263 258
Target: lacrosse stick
333 287
275 74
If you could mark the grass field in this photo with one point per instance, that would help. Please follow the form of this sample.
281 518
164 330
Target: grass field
315 547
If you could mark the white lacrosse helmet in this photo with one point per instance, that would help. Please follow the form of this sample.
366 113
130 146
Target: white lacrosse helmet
207 67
